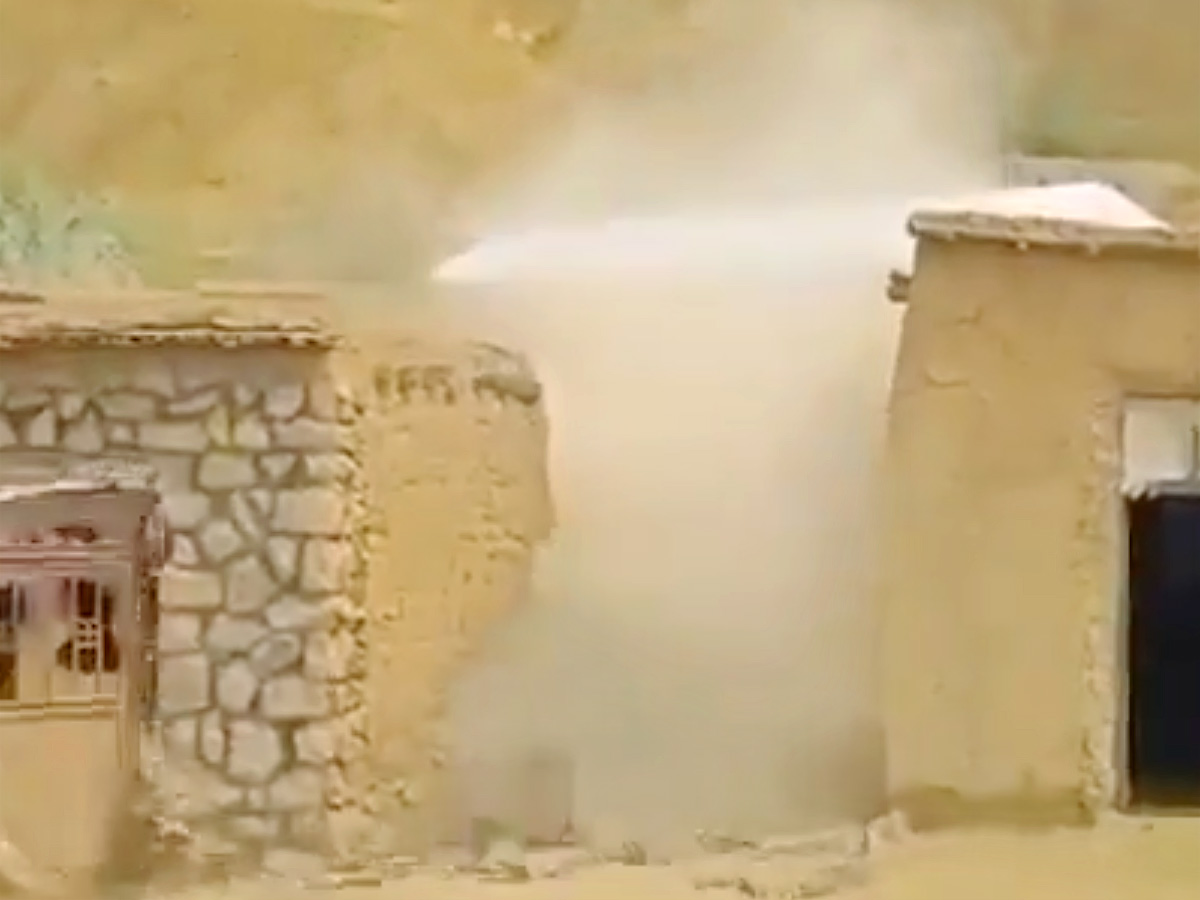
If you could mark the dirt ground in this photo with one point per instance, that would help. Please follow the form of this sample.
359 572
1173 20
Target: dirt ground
1147 860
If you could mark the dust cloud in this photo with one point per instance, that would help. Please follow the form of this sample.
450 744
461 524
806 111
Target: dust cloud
699 277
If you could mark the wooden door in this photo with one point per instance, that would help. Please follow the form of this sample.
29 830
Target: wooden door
65 667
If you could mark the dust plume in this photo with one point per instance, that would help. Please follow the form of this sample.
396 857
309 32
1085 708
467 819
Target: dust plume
699 277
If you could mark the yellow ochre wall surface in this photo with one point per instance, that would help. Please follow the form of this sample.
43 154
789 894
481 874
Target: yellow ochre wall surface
1002 588
455 438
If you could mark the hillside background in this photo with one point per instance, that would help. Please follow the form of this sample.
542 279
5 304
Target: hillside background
213 123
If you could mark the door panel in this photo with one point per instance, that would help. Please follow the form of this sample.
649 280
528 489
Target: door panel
61 757
60 780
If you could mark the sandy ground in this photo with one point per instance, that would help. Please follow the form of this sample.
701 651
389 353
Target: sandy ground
1125 860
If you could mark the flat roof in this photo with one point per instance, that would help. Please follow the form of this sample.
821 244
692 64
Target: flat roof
205 317
1085 215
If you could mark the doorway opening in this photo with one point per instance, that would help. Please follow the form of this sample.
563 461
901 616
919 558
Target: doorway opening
1163 652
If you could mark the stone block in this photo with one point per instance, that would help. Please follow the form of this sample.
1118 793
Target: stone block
292 613
219 427
120 434
326 468
310 511
186 510
245 517
42 430
196 405
262 500
220 540
127 405
25 402
177 437
230 635
255 751
174 472
306 434
182 589
84 436
277 466
178 632
212 738
70 405
275 653
284 401
324 565
183 684
250 433
249 587
292 698
245 395
184 551
237 687
224 471
328 656
283 554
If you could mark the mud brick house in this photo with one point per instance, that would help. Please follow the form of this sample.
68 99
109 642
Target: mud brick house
1041 580
336 530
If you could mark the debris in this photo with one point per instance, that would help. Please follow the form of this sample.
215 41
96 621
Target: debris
715 842
397 867
506 873
891 828
631 853
836 841
558 863
349 878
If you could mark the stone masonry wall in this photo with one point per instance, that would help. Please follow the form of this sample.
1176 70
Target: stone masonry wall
260 635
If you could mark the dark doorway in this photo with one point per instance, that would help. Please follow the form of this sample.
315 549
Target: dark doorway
1164 652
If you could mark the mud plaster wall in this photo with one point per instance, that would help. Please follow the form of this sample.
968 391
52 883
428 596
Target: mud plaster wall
255 642
455 440
1003 577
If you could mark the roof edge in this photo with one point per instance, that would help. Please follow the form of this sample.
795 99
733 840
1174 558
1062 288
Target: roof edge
213 314
216 333
1027 232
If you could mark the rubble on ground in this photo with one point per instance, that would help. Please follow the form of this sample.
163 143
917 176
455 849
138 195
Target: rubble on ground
782 867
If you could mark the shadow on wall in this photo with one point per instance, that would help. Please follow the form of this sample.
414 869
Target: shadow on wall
701 642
